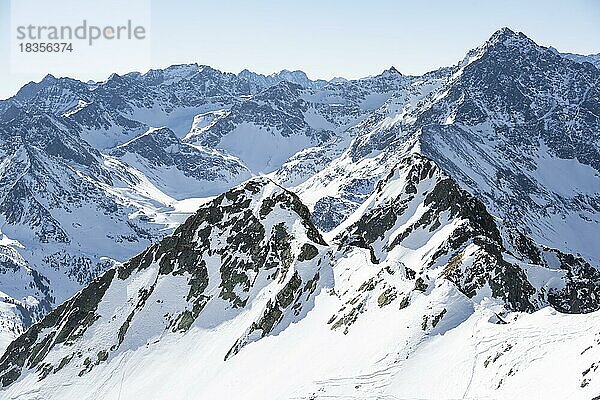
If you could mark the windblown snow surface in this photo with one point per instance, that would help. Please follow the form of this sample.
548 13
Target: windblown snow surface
544 355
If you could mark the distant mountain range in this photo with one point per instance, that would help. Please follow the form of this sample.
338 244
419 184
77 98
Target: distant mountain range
189 233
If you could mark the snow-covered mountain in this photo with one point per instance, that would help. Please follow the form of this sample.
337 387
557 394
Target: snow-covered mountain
249 278
178 168
288 118
95 172
415 237
66 213
297 77
514 123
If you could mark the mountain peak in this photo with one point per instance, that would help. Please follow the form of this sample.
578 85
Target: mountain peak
49 78
296 77
287 72
502 40
390 72
338 79
508 37
181 68
502 34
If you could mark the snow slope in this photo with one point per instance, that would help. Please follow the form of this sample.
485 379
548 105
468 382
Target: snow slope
502 123
459 258
67 212
194 317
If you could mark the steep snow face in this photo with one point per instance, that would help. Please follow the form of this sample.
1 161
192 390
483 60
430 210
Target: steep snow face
420 218
520 128
109 113
268 128
67 212
70 210
554 200
180 169
514 123
250 259
248 279
337 177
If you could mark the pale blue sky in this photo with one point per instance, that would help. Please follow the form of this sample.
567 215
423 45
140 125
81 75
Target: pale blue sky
338 38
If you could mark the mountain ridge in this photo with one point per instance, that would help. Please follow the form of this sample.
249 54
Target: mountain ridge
61 341
444 210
